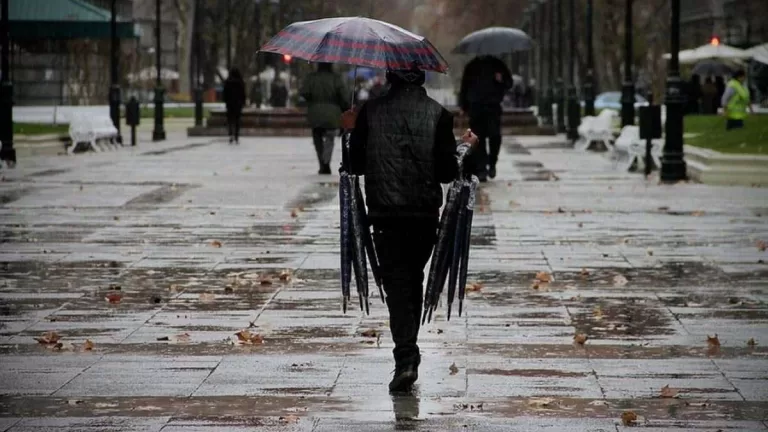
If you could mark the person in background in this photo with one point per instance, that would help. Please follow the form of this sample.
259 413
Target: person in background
326 98
736 101
720 86
693 95
403 144
257 98
234 100
485 80
709 97
378 88
278 97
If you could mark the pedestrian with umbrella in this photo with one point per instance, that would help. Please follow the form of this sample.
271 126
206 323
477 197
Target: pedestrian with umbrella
403 144
485 81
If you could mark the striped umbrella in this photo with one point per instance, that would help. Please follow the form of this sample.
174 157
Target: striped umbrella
357 41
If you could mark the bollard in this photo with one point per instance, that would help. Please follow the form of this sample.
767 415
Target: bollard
132 117
650 129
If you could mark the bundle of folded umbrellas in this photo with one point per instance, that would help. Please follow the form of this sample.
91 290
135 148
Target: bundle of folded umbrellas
449 258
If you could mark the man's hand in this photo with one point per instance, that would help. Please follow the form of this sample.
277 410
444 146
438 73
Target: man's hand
348 119
470 138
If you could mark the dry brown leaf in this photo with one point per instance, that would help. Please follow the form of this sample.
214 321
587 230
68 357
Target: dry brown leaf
584 272
295 213
597 313
113 298
48 338
751 342
266 281
713 341
290 419
669 392
207 297
247 338
183 337
580 338
371 333
536 285
540 402
285 276
620 280
216 244
762 246
698 213
87 345
175 288
454 370
628 418
473 287
543 276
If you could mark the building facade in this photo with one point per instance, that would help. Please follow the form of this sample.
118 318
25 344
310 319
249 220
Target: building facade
741 23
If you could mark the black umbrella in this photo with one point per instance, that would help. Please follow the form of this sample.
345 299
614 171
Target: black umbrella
494 41
711 68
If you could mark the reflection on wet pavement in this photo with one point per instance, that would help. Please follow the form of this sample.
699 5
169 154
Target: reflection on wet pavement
159 268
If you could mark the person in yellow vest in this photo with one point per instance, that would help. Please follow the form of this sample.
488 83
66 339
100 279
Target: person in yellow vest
735 101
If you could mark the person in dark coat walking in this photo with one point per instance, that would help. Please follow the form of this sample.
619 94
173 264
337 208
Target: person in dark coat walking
278 93
709 97
234 99
327 98
403 144
485 80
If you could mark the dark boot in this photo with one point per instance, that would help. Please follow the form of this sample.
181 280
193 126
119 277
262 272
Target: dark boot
492 172
404 378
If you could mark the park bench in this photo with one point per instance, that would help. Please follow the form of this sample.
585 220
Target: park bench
97 131
629 149
596 129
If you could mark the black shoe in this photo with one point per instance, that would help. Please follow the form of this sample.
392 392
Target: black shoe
325 169
230 140
404 379
492 172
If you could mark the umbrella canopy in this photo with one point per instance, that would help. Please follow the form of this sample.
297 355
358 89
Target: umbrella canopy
150 73
494 41
357 41
364 72
759 53
711 68
709 52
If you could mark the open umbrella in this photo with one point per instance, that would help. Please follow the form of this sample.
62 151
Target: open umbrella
357 41
494 41
759 53
711 51
711 68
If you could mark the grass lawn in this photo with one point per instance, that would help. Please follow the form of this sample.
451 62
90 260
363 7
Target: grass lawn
712 134
39 129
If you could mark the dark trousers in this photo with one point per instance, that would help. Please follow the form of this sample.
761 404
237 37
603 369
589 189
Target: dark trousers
323 139
403 246
485 122
733 124
234 116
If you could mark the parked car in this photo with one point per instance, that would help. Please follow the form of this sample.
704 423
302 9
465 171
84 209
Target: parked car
612 100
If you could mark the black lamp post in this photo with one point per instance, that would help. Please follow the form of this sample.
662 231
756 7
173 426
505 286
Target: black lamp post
198 61
673 167
158 134
114 88
560 91
573 102
538 21
229 35
7 152
529 58
628 87
549 97
589 80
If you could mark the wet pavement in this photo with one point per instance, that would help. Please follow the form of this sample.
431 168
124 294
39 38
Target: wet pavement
146 262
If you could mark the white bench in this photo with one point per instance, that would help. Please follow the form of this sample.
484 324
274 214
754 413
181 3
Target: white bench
97 131
629 149
596 129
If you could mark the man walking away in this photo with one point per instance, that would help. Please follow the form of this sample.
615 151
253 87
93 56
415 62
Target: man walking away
708 97
483 85
736 101
403 144
278 93
326 98
234 99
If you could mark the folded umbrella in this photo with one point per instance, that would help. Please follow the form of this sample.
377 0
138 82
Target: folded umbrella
470 209
345 241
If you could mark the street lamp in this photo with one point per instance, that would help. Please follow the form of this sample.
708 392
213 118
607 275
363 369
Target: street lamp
628 87
114 88
528 27
198 62
549 97
589 81
560 91
673 167
229 35
573 103
158 134
7 152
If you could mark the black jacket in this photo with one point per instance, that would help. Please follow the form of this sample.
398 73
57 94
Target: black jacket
479 85
234 94
403 144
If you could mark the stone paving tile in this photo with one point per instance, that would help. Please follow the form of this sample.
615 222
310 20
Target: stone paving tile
100 424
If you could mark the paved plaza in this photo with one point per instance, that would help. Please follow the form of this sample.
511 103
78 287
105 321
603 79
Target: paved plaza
146 262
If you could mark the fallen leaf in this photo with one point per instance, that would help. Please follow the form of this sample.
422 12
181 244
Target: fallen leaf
454 370
751 342
698 213
295 213
580 338
215 243
48 338
113 298
74 402
440 331
761 246
175 288
649 251
285 276
713 341
543 276
536 285
584 272
87 345
371 333
540 402
704 404
248 338
620 280
266 281
290 419
669 392
628 418
598 313
473 287
207 297
183 337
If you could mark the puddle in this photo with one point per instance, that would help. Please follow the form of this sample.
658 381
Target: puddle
176 149
13 195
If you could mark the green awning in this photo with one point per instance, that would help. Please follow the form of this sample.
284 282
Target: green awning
63 19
